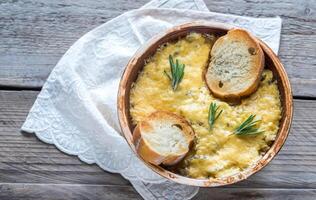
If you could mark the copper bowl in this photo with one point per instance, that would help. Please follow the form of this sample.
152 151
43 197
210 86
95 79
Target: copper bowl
136 64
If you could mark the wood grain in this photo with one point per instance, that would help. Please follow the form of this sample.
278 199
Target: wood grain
255 194
69 192
106 192
23 158
26 162
35 34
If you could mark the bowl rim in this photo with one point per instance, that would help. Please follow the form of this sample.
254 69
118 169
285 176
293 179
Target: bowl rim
284 127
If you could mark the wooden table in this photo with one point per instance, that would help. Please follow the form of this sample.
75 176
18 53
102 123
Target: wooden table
34 34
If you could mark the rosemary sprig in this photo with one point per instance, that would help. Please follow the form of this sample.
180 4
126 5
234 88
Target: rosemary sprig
212 114
177 72
248 127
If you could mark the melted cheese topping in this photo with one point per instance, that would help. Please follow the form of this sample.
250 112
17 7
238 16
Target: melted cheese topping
216 152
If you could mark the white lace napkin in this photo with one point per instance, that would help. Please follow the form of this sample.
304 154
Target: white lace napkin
76 109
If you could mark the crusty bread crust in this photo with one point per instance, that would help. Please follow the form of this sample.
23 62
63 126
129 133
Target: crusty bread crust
144 149
236 65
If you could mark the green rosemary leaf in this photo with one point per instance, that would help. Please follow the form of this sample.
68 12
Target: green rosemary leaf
248 127
177 72
213 115
171 64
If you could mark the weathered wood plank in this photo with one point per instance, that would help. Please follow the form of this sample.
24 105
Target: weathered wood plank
107 192
24 159
255 193
35 34
104 192
31 46
66 192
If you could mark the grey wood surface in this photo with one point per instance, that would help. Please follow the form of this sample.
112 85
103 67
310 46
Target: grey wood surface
34 34
27 164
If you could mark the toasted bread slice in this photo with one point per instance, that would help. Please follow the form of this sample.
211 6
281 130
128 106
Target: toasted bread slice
236 65
163 138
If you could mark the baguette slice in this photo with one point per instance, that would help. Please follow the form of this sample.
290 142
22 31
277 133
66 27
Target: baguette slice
163 138
236 65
